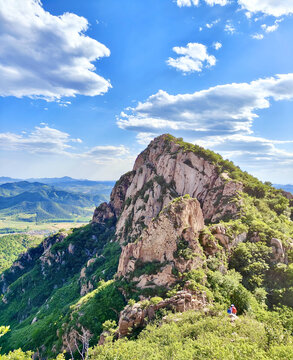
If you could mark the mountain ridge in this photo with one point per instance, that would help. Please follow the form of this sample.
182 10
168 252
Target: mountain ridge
43 202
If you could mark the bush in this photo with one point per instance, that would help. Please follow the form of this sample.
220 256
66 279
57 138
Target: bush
195 335
155 300
131 302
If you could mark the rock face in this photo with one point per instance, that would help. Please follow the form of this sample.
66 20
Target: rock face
279 254
218 235
162 172
137 316
103 213
154 231
113 209
170 242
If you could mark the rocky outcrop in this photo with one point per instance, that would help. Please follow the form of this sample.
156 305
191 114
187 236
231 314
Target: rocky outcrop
138 315
103 213
113 209
162 172
279 254
218 239
170 242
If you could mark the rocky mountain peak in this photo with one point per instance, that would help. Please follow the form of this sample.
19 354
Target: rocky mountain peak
166 169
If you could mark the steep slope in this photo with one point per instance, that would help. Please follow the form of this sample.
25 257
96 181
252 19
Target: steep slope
164 171
184 224
45 286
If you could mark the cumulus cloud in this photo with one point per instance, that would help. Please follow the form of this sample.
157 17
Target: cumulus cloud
107 151
250 147
271 28
42 140
257 36
220 118
189 3
217 45
144 138
47 56
275 8
224 109
257 155
229 28
194 58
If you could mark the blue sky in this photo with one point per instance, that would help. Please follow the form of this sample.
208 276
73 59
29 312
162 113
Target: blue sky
85 85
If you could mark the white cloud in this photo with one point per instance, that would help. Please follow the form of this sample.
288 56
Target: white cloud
217 2
257 155
46 151
213 23
144 138
47 56
224 109
275 8
217 45
42 140
182 3
271 28
229 28
108 151
257 36
220 118
189 3
194 58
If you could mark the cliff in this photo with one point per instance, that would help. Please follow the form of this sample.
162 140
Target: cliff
162 172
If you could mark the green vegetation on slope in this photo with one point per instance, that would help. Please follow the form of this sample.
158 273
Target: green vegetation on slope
41 300
197 335
26 201
12 245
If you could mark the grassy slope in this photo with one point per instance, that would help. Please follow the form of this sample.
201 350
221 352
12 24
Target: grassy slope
208 336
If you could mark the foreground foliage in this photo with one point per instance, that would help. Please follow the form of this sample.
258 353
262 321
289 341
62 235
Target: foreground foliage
194 335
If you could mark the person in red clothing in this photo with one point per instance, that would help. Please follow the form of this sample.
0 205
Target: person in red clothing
233 310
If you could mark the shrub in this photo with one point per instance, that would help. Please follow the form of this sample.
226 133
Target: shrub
131 302
155 300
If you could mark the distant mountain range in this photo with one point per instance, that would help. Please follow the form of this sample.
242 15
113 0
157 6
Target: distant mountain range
51 198
287 187
84 186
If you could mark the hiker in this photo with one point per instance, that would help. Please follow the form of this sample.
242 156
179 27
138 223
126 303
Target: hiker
232 311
